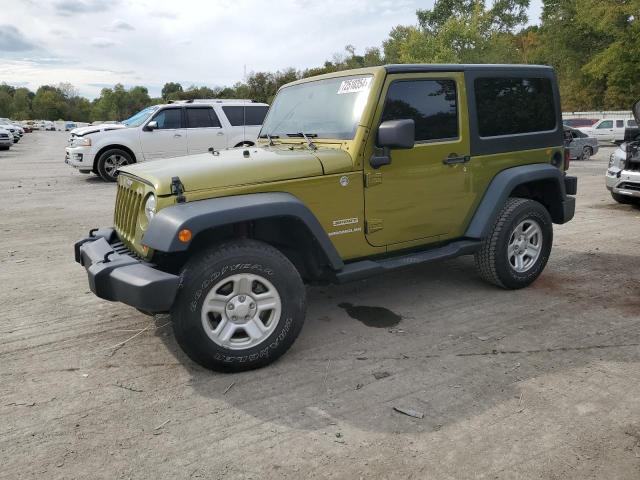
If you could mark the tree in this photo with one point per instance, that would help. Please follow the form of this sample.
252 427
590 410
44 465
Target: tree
170 90
21 107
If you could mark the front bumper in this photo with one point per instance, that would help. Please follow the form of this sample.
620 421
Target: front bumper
117 276
79 157
6 142
623 182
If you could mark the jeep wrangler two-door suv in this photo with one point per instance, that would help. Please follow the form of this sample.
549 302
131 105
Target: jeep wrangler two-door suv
355 173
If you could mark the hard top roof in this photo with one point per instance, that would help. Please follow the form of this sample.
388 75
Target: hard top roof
454 67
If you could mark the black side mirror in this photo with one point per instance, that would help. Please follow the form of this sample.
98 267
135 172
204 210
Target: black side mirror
397 134
392 134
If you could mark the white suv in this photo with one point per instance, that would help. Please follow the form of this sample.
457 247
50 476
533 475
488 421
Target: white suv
163 131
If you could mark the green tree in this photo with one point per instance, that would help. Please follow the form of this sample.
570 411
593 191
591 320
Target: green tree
171 90
21 107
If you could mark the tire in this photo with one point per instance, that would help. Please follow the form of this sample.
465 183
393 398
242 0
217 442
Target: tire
238 273
586 153
497 260
5 148
110 161
623 199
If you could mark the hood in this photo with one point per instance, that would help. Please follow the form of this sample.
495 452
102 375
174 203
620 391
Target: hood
232 168
81 131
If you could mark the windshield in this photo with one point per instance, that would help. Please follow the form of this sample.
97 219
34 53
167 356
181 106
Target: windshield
324 108
139 118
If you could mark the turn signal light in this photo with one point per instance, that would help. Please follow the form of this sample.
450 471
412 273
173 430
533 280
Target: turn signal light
567 159
185 235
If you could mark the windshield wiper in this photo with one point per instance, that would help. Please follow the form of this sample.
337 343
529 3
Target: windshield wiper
307 136
270 138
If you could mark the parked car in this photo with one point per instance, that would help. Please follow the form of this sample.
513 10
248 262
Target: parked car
14 129
581 146
609 129
162 131
6 139
68 126
579 122
355 173
623 174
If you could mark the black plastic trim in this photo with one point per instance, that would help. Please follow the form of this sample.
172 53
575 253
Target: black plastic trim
501 187
367 268
571 185
119 277
198 216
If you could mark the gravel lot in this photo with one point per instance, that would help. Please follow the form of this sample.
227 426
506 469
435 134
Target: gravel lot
538 383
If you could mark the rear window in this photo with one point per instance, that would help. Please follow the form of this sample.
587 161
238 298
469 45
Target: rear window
511 106
202 118
632 123
249 115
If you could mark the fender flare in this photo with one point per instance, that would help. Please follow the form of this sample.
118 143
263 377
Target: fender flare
201 215
505 182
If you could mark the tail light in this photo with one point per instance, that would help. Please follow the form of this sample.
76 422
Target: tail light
567 159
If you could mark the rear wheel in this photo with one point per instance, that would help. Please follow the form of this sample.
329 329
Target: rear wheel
109 162
517 249
240 306
586 153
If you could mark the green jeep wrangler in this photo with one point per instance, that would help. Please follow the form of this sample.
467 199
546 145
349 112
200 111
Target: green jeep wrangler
355 173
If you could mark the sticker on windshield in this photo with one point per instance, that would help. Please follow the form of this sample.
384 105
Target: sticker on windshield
355 85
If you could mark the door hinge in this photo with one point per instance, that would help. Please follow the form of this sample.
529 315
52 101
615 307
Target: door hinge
374 225
372 179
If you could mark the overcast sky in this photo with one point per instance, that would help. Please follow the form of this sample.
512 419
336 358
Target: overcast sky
97 43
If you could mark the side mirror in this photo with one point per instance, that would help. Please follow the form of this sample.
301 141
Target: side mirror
392 134
151 126
397 134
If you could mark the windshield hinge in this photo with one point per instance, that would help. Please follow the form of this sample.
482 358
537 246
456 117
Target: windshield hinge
373 225
372 179
177 189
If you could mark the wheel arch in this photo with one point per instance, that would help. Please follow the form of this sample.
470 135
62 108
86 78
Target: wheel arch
279 219
110 147
541 182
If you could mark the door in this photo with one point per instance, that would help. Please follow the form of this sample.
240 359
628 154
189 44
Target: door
604 131
169 139
425 193
204 130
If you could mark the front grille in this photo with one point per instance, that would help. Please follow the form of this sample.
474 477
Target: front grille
4 135
125 218
629 186
122 249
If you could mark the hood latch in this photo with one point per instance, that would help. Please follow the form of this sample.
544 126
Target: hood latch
177 189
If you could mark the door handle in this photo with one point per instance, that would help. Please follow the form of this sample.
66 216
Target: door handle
453 159
220 134
177 135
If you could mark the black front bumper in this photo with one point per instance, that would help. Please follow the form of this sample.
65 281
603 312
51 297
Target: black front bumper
117 276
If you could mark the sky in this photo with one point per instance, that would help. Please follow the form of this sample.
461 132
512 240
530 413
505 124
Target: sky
97 43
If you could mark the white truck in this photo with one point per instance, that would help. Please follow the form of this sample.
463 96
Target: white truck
609 129
163 131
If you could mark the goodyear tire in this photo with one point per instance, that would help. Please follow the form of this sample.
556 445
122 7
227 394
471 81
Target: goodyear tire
517 249
240 306
109 162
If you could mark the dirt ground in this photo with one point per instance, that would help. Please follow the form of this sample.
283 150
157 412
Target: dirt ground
538 383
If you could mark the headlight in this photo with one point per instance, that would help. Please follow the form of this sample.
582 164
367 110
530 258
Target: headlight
612 159
150 207
83 142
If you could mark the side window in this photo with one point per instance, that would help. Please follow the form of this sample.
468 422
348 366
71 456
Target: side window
255 115
619 123
631 123
510 106
169 118
605 124
235 115
432 104
202 118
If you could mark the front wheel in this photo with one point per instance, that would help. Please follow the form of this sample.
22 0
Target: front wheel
240 306
109 163
517 249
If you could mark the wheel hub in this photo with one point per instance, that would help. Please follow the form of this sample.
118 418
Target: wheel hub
241 308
